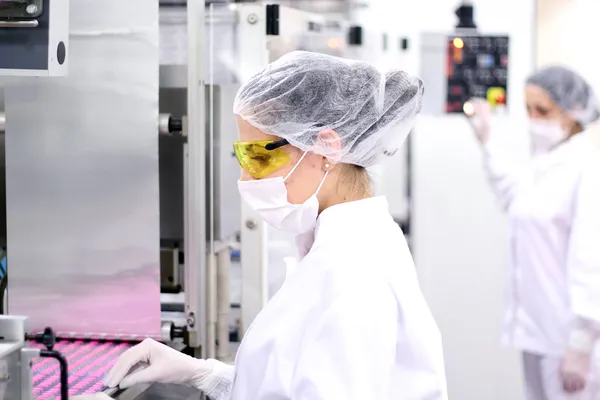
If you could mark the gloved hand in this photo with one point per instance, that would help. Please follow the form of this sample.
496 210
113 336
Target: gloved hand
480 119
574 370
165 365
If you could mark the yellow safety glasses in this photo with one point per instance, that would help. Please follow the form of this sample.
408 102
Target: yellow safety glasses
261 158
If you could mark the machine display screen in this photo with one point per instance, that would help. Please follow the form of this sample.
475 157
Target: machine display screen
477 66
20 9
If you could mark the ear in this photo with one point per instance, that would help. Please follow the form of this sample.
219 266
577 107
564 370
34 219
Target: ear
330 144
568 123
327 165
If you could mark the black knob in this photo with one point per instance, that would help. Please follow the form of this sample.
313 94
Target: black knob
175 125
47 338
465 17
178 331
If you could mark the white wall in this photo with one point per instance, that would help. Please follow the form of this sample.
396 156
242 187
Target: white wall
567 34
459 234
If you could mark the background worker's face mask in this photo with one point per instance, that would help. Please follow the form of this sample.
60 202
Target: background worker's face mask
545 135
269 198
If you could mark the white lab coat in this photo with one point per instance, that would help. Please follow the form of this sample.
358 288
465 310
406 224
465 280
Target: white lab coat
349 322
542 380
554 224
376 173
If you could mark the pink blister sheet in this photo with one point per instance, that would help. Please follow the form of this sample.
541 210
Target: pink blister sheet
88 361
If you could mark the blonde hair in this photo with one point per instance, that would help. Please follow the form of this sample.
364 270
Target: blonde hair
354 182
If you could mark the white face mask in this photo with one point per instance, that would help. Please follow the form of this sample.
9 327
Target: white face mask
545 135
269 198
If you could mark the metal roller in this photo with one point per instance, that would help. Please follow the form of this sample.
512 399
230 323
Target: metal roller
167 125
170 332
164 121
165 331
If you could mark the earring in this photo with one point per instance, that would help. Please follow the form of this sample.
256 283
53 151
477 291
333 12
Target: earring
326 166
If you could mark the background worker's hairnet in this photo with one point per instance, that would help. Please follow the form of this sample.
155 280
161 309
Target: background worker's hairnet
570 91
304 93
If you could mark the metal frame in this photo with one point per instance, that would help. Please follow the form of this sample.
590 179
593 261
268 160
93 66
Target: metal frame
15 359
253 56
195 183
200 247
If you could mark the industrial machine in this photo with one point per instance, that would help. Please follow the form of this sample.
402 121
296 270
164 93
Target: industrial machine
463 65
35 366
34 37
122 217
22 353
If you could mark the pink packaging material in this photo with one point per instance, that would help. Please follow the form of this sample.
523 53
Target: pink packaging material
88 362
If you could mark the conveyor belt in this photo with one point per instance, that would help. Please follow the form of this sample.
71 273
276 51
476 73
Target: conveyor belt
88 361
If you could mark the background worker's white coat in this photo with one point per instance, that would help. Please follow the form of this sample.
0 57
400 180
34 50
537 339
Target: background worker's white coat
349 322
554 218
542 383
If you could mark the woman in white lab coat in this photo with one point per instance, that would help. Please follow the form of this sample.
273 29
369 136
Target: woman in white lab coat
350 321
553 206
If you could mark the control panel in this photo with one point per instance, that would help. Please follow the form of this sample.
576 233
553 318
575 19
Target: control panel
34 37
476 66
20 9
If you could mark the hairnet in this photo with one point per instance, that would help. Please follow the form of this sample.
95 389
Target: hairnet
304 93
570 91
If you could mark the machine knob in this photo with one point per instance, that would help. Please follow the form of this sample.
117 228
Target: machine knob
175 125
168 125
47 338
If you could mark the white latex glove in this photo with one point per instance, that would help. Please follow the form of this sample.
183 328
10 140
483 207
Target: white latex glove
165 365
574 370
480 119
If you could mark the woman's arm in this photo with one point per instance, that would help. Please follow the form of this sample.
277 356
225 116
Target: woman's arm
351 354
151 361
505 175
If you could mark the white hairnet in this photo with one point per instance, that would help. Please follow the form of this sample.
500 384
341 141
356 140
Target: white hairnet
570 91
304 93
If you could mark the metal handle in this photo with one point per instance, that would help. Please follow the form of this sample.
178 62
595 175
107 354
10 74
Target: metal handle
19 24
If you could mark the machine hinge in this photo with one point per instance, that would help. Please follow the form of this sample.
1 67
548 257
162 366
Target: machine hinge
272 19
355 35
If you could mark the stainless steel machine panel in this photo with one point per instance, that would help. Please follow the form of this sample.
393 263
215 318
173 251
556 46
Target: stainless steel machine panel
2 175
220 70
11 386
82 180
433 72
226 168
220 42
